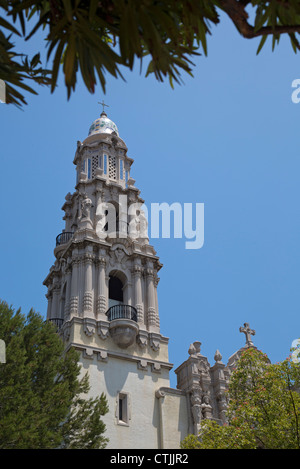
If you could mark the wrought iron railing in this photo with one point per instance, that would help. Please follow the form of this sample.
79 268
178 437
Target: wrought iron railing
122 312
64 237
58 322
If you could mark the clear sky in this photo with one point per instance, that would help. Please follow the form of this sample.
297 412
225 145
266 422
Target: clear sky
228 138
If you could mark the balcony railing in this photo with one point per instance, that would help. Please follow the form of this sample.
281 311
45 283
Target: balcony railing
64 237
122 312
58 322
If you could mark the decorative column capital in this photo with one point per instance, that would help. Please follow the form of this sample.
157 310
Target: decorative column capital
137 270
102 260
150 273
75 260
88 258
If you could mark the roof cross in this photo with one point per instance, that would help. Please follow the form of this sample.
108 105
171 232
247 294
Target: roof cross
248 333
103 104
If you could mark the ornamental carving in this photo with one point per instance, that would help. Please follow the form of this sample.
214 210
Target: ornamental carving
101 304
74 305
142 339
88 301
137 270
206 407
196 409
103 329
89 326
154 342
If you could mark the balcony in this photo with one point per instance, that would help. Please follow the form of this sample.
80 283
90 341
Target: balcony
121 312
64 237
123 325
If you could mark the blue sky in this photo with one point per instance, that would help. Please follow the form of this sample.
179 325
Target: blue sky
227 138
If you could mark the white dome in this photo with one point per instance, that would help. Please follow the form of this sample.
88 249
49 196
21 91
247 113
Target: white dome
103 125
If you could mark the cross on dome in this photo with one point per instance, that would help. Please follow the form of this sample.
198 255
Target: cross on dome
103 124
103 104
248 332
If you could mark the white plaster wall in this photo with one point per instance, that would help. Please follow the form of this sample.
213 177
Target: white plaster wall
174 419
117 375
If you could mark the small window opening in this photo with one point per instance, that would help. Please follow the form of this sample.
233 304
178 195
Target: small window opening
123 412
89 174
105 164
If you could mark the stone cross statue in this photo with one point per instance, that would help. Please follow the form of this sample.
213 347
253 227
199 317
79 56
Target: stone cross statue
248 332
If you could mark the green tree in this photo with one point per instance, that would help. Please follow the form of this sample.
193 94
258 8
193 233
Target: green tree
43 402
98 36
263 410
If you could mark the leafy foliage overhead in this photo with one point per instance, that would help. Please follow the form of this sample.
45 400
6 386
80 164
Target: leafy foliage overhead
98 36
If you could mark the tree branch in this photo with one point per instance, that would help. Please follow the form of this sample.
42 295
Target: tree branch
237 13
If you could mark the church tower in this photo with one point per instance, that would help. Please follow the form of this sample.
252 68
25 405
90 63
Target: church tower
102 289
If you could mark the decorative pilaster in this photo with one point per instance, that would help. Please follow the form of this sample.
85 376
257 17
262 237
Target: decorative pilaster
55 301
156 280
88 279
151 316
74 285
68 293
137 275
101 299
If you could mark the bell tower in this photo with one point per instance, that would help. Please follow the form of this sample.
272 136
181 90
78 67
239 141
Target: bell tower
102 289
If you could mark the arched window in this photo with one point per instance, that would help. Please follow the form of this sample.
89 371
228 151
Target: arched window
115 291
112 217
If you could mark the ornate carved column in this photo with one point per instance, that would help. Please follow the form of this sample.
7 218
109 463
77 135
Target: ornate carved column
101 290
88 286
49 298
74 285
68 291
151 313
55 313
137 275
156 280
129 293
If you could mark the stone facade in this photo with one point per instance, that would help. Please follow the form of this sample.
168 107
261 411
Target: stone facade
102 295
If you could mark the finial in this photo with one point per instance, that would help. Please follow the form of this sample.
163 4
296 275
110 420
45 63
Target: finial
218 357
194 348
103 104
248 332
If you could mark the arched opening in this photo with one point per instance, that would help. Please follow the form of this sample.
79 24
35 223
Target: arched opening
111 213
115 291
122 316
